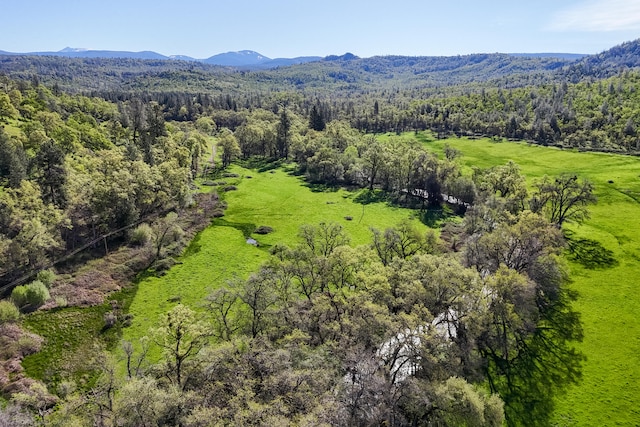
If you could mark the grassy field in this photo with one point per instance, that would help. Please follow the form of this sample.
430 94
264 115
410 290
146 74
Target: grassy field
220 253
609 299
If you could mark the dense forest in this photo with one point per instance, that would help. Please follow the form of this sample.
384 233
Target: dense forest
472 325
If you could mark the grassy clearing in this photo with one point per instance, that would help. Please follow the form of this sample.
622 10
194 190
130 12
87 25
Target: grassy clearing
74 339
608 296
273 198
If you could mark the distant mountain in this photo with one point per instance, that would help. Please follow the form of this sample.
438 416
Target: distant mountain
346 57
242 59
237 59
78 53
72 52
73 49
182 58
253 60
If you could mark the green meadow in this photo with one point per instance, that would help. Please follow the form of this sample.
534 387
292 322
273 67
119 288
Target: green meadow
220 253
608 295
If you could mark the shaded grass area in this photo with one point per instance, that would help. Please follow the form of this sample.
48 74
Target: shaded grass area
246 228
437 217
273 198
604 259
590 253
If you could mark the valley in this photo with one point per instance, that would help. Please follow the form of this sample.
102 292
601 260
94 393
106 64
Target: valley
190 244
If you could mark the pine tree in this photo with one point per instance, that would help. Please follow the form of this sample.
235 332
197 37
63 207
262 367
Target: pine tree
316 119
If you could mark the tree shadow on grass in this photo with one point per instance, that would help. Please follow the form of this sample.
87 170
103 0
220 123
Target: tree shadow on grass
432 216
590 253
246 228
321 188
261 164
435 217
194 246
366 197
546 364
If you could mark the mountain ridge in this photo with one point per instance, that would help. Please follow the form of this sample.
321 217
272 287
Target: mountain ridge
241 59
346 72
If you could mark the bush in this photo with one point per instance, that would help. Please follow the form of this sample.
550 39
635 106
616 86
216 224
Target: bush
264 229
19 296
127 320
47 277
110 319
37 293
9 313
141 235
34 294
162 265
28 344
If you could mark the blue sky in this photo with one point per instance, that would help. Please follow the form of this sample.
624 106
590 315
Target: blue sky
287 28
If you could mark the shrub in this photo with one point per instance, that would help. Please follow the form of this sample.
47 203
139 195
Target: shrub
29 344
141 235
110 319
162 265
37 293
66 388
127 320
9 313
19 295
264 229
47 277
34 294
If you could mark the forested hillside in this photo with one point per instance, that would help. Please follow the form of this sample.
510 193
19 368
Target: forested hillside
461 316
74 168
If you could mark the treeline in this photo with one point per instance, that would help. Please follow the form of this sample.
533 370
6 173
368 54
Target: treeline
598 115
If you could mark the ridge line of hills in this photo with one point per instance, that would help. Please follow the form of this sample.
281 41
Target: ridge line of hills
243 58
346 73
